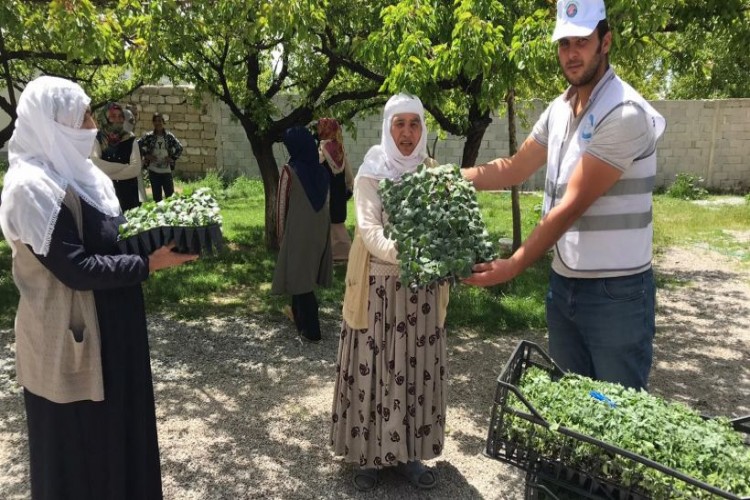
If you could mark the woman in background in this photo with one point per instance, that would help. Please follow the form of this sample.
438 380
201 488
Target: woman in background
116 153
333 156
303 225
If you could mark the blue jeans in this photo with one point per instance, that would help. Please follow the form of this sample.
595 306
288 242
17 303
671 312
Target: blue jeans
603 328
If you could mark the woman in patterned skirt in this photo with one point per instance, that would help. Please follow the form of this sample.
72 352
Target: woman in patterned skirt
389 399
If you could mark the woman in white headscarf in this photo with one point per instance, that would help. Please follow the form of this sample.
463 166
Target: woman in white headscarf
82 352
389 397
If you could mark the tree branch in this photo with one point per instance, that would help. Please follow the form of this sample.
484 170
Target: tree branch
26 55
8 76
348 63
353 95
443 120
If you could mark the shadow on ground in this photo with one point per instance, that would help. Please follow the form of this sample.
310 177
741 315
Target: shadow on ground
702 342
243 405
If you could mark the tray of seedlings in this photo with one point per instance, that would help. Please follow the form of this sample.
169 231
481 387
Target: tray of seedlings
434 218
580 438
192 221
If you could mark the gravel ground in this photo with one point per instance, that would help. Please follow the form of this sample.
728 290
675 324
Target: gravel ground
243 406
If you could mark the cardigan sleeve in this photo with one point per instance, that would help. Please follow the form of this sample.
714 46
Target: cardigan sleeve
370 220
69 261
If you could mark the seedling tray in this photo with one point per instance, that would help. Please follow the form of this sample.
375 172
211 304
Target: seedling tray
548 473
196 240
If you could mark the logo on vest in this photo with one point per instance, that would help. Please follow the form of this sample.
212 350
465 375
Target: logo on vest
587 131
571 10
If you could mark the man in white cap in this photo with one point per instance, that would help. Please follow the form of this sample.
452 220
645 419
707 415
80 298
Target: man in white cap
598 140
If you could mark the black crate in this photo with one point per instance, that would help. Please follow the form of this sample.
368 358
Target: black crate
554 473
196 240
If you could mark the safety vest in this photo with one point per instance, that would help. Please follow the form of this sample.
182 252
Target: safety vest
615 233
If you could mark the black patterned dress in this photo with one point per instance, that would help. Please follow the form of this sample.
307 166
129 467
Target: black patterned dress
391 378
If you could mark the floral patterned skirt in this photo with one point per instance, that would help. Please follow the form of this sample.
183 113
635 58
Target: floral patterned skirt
391 379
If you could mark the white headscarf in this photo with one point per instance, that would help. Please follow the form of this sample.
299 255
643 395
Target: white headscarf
129 124
48 152
385 161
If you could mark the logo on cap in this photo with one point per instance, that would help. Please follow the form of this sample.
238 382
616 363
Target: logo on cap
572 9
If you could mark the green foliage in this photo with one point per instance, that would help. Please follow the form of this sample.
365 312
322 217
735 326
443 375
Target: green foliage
686 187
198 208
84 41
461 57
667 433
272 63
682 50
211 181
243 187
706 62
434 218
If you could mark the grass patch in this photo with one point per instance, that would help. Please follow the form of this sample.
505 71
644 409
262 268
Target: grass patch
516 305
238 281
685 223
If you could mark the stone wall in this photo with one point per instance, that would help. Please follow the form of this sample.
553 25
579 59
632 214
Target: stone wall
710 139
196 125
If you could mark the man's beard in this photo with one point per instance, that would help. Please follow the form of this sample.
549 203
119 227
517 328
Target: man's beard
589 73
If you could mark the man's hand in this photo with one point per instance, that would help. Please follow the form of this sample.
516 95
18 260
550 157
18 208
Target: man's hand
492 273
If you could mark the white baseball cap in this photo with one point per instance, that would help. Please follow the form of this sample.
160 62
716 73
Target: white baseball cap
577 17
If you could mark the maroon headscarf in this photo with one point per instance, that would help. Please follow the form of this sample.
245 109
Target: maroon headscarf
329 131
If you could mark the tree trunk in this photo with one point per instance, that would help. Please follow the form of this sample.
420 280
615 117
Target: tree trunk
510 101
8 76
10 105
263 151
478 123
7 133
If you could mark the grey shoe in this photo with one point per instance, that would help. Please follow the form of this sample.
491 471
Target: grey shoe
365 479
417 474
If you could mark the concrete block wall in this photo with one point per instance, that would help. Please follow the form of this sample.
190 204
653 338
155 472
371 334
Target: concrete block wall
194 125
709 139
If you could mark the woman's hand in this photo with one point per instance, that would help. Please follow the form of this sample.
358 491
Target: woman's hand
164 257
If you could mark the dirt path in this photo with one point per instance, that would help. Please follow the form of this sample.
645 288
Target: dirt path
243 407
